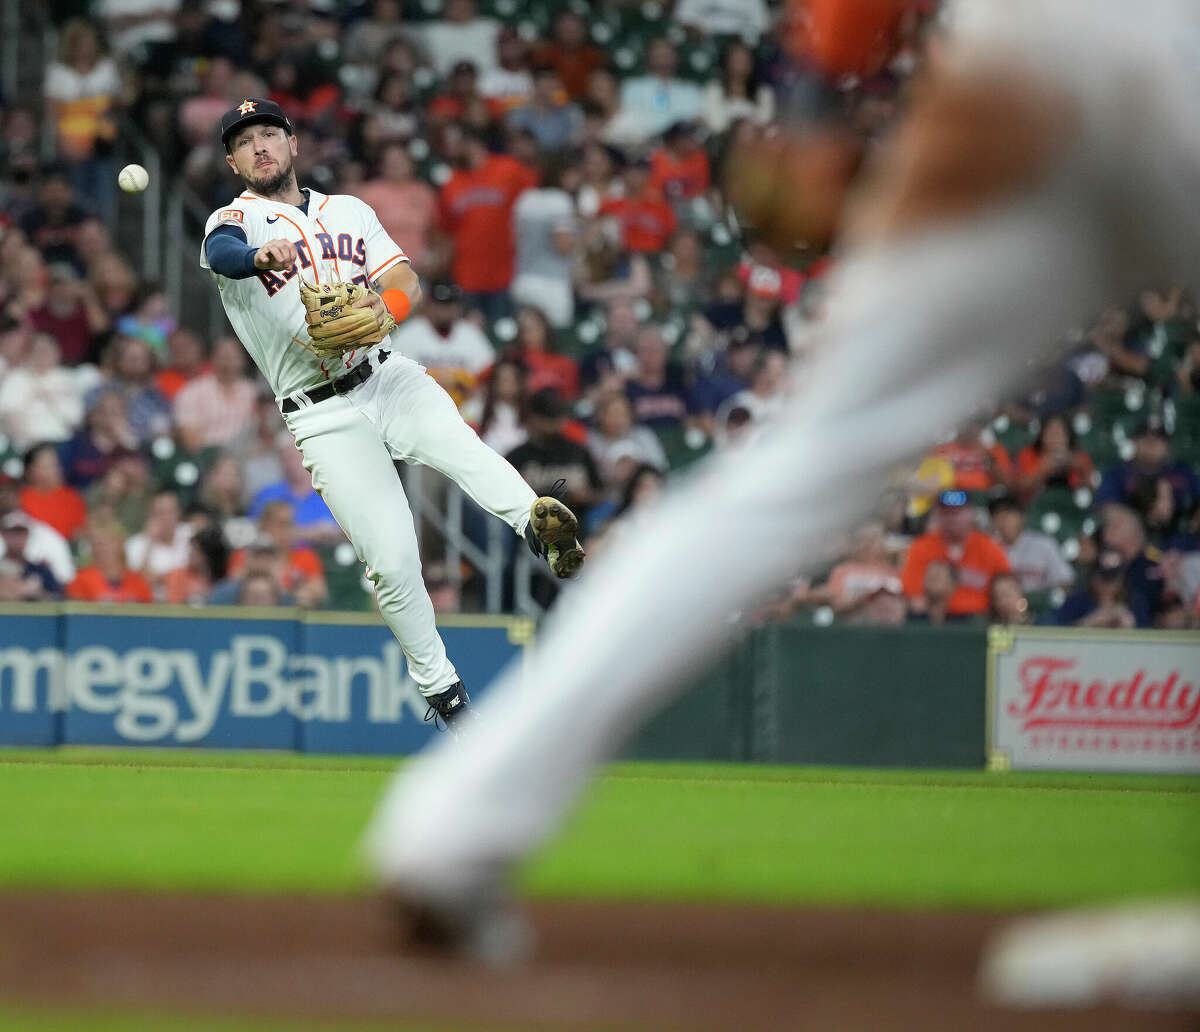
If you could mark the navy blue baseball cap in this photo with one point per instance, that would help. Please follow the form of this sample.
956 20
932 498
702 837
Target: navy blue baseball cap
250 111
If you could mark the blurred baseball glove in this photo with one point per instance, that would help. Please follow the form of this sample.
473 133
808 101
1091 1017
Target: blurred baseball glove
336 324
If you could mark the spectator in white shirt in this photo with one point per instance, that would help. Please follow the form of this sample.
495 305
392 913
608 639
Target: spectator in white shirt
748 19
616 439
737 93
45 544
499 414
453 350
461 36
217 407
545 229
135 25
40 400
1034 557
764 398
163 545
510 83
652 102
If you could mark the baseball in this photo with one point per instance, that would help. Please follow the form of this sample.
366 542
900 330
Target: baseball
133 179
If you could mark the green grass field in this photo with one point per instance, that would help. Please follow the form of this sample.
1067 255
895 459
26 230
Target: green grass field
280 823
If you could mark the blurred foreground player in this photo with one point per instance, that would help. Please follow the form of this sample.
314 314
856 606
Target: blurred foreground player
1050 160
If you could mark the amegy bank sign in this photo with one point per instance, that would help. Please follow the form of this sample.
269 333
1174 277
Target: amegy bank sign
1097 701
72 676
152 694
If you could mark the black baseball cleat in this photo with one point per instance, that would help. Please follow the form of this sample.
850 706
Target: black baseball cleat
552 535
483 927
451 708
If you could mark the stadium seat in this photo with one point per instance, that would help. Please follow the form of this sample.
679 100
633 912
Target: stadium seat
344 577
1011 436
682 448
1056 511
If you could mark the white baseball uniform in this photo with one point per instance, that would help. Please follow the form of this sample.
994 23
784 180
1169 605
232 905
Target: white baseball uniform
921 331
350 441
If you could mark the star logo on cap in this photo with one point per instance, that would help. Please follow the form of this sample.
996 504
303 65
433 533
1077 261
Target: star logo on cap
245 107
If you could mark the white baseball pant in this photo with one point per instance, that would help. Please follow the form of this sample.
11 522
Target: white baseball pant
921 333
349 443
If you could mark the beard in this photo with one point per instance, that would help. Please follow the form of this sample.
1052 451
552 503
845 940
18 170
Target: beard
275 183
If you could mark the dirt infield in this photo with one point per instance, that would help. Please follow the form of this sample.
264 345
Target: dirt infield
600 965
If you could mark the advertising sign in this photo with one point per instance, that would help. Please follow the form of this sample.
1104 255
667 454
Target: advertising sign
226 678
1066 699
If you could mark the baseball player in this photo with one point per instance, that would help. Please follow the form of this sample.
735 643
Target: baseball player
314 287
1049 161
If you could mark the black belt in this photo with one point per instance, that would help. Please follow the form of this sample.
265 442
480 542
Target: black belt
342 385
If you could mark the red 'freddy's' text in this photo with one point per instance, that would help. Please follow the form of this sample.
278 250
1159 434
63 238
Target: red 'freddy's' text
1053 698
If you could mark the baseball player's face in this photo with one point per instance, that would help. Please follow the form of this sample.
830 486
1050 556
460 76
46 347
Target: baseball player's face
262 155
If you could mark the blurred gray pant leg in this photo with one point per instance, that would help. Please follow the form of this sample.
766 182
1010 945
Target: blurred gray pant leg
920 335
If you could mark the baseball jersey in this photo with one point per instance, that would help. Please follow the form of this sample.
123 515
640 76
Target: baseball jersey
340 239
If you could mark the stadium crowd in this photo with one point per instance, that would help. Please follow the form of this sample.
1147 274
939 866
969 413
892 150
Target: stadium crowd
553 170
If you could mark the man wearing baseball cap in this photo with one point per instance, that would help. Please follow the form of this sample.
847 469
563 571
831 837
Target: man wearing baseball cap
952 538
258 112
1151 462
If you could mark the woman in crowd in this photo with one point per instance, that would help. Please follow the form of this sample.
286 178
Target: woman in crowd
1053 459
533 348
501 409
615 438
46 497
207 562
1006 601
738 92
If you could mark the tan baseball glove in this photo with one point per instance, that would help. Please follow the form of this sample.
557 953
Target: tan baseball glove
336 324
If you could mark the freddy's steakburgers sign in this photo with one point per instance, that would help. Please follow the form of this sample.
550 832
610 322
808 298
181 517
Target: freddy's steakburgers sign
1093 700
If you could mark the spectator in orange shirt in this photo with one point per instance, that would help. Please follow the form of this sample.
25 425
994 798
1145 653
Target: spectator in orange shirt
977 466
572 55
534 350
646 220
679 168
974 557
477 213
106 578
298 570
46 497
185 352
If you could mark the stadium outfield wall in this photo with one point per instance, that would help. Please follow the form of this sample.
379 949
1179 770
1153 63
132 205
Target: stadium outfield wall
77 674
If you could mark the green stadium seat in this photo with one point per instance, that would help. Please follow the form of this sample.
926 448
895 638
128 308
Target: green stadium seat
680 450
345 579
1011 436
182 471
1107 400
1057 512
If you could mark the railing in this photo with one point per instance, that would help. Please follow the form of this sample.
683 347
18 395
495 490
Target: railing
441 507
146 207
189 289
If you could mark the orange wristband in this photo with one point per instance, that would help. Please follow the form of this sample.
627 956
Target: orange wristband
397 303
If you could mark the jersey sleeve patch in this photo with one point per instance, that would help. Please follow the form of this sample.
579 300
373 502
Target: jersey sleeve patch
232 215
